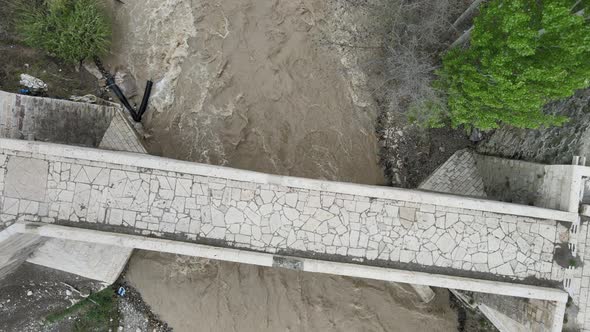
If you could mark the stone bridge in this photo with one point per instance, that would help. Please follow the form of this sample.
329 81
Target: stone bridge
454 239
289 219
378 226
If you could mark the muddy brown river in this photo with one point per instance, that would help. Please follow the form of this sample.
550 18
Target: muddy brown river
246 83
258 85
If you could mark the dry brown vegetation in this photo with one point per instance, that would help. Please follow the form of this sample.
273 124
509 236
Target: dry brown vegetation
412 37
401 44
410 104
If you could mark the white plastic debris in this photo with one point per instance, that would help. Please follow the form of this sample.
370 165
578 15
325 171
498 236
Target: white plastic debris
29 293
32 83
91 99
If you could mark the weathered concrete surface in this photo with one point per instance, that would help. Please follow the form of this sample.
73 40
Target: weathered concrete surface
62 121
90 260
527 183
373 225
53 120
503 322
425 293
517 314
15 248
578 284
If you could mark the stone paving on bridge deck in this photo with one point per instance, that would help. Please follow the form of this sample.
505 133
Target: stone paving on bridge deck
275 218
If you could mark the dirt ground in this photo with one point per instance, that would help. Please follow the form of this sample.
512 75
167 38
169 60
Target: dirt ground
32 292
196 294
422 152
63 80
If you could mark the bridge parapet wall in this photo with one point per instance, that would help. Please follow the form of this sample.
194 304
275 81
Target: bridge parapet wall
380 226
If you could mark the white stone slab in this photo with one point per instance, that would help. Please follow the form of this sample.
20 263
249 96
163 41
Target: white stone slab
90 260
26 178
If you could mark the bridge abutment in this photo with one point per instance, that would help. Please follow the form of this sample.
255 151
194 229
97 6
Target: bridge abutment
559 187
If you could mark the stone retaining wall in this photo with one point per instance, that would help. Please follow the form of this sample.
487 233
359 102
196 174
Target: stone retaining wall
53 120
458 175
554 145
526 183
468 173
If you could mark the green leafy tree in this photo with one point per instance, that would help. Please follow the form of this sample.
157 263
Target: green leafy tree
73 30
522 55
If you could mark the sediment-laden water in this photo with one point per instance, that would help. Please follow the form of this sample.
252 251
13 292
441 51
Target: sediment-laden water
266 86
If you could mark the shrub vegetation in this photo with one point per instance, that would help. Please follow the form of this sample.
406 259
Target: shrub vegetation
98 312
522 55
72 30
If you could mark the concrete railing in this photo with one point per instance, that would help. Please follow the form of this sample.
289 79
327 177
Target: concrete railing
390 193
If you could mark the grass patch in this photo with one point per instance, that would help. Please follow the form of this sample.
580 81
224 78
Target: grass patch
72 30
97 312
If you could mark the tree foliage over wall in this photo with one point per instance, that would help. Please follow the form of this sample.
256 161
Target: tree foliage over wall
522 55
72 30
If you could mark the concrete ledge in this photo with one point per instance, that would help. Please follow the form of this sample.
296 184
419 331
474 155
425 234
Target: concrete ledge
159 163
9 231
309 265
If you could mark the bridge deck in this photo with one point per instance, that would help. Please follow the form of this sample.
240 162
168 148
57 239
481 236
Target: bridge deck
380 226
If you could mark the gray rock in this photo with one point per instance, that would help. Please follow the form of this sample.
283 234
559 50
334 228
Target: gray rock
126 83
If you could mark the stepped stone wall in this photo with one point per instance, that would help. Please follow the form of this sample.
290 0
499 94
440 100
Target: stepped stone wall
120 136
458 175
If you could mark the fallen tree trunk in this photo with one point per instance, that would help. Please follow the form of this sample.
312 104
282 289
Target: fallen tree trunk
467 14
462 40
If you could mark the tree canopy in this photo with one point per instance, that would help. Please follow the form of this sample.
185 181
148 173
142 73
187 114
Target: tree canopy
72 30
522 55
